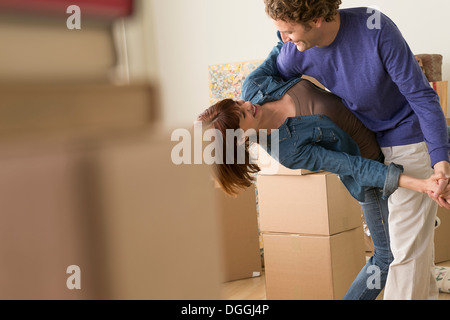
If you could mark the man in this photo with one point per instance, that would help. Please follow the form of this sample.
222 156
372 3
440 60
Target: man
361 56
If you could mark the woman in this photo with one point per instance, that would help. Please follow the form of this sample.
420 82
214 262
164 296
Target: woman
316 132
312 125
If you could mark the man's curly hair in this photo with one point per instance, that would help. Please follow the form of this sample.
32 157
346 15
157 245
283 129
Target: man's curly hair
302 11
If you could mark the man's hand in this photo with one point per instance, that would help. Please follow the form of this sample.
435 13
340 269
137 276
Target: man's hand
442 193
445 197
433 185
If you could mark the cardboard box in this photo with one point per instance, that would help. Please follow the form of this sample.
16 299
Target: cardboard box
239 234
45 224
159 223
307 204
138 226
442 237
62 109
304 267
441 88
42 52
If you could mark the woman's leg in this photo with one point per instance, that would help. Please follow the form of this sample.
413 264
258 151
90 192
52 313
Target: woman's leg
372 277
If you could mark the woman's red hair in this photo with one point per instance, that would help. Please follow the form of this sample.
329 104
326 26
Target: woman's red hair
233 177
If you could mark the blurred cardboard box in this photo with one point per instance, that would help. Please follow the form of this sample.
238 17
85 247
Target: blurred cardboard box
442 237
316 204
44 224
239 234
27 110
307 267
138 226
160 223
41 49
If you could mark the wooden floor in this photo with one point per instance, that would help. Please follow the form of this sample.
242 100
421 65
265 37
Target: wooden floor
254 288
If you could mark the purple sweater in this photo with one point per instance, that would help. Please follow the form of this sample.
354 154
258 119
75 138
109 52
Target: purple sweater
379 80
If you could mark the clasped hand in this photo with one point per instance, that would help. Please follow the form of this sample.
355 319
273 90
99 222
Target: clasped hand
438 188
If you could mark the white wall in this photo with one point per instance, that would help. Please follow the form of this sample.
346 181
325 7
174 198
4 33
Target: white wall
187 36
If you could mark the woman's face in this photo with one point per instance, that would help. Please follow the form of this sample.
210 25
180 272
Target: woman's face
249 116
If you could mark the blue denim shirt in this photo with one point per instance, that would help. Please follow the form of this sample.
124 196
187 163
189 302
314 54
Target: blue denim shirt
315 142
265 83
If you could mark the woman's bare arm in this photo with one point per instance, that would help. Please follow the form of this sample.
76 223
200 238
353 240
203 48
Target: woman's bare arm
430 185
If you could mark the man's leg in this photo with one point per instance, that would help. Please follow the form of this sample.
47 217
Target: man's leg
411 228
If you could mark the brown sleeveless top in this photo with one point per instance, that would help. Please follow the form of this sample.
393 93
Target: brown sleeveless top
310 99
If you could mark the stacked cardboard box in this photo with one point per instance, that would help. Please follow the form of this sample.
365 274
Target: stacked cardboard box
442 237
42 50
312 235
27 110
238 234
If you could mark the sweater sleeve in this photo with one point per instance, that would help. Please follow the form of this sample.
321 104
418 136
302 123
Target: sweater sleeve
404 70
286 65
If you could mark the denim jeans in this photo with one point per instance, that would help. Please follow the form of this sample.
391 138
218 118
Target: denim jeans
367 285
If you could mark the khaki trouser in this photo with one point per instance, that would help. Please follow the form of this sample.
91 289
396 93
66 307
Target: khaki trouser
411 228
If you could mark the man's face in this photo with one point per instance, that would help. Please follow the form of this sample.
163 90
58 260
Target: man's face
304 38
